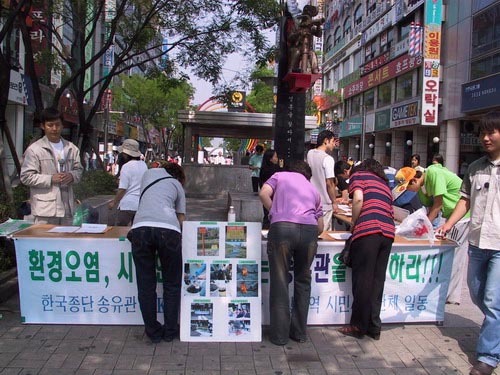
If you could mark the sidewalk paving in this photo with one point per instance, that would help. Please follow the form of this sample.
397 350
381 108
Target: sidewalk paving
411 349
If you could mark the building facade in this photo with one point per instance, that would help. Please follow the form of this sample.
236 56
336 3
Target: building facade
399 76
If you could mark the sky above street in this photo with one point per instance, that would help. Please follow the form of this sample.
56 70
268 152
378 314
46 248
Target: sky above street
233 64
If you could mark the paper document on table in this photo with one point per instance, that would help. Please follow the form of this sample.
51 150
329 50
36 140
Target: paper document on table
63 230
340 236
92 228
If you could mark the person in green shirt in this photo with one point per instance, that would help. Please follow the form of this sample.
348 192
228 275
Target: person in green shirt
438 189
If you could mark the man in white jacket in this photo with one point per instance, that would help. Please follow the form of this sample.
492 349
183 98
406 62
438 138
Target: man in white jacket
50 168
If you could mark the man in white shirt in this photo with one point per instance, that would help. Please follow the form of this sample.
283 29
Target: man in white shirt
480 193
323 175
50 167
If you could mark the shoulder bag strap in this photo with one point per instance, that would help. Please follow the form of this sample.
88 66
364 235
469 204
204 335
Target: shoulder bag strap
151 184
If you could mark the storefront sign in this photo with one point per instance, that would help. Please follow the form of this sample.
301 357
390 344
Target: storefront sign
400 48
382 23
39 18
376 63
382 119
352 126
17 88
399 11
481 94
432 51
236 101
406 114
350 78
395 68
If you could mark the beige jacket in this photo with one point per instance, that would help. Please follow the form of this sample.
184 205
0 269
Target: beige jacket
36 172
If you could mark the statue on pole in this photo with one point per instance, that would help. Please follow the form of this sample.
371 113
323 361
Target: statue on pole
302 57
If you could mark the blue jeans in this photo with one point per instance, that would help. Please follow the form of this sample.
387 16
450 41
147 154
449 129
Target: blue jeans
483 280
147 242
287 241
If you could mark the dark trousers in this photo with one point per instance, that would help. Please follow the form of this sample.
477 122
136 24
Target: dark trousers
265 220
124 218
256 184
147 242
287 241
370 255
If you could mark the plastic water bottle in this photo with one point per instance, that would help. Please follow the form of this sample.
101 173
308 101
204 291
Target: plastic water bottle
231 214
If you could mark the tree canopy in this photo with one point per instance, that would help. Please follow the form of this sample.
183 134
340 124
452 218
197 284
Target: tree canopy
155 101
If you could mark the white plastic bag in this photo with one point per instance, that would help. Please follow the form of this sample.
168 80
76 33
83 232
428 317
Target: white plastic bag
417 226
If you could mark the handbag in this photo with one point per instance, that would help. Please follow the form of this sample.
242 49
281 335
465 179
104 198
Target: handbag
345 254
151 184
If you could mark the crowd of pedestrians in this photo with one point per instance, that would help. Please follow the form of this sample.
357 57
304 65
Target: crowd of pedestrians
299 200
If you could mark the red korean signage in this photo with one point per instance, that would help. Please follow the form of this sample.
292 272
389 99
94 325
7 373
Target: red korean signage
395 68
39 20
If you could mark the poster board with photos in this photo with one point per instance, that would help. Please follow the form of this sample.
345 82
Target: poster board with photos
221 293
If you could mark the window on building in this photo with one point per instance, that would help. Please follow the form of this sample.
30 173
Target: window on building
390 38
370 6
358 14
357 59
486 31
329 43
384 94
369 99
404 86
386 38
337 36
404 30
370 50
347 27
485 66
346 67
355 105
336 75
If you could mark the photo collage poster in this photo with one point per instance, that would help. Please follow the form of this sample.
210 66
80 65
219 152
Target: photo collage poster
221 293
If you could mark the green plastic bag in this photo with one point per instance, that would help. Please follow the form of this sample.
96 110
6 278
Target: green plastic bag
81 215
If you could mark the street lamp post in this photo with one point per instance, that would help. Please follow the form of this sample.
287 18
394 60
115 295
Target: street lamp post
107 105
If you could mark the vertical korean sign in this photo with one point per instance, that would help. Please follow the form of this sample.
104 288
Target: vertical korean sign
37 22
109 15
432 51
221 293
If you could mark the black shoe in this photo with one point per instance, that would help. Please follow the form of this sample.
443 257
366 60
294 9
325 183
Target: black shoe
374 335
155 340
279 343
169 338
296 339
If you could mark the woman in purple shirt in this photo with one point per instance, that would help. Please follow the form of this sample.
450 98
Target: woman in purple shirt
296 217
